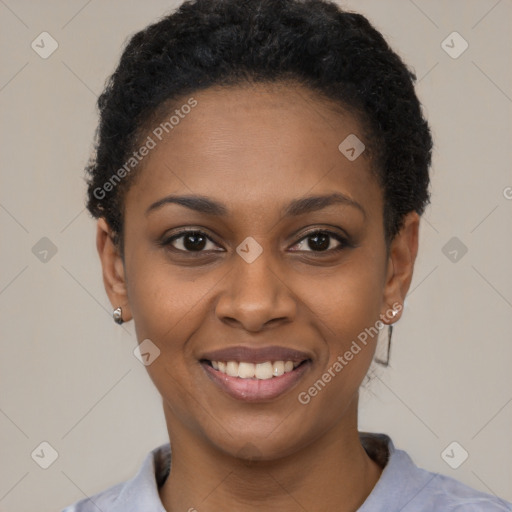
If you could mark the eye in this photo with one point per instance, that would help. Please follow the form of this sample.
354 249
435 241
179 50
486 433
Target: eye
196 241
322 241
190 241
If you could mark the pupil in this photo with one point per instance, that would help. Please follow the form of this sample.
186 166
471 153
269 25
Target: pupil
197 243
322 245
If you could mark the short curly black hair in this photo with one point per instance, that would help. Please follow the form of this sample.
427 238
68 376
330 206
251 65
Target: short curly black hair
337 54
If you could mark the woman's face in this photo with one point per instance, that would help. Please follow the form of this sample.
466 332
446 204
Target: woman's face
257 276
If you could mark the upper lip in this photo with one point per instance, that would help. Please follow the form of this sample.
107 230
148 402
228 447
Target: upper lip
256 355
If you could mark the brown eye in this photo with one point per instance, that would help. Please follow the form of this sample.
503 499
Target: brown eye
190 241
322 241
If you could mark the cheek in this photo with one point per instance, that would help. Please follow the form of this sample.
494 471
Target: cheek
349 298
347 307
167 304
165 301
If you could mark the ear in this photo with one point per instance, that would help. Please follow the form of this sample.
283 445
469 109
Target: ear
113 269
402 255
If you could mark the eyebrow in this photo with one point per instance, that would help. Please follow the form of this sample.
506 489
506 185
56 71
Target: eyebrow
296 207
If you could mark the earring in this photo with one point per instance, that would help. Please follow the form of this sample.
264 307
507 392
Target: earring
118 316
385 362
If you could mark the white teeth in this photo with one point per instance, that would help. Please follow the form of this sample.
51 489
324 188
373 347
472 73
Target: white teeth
262 371
245 370
232 368
278 368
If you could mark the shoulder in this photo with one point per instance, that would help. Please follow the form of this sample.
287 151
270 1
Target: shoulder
406 487
454 496
136 494
104 500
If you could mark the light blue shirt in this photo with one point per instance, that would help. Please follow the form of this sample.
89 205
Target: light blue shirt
402 487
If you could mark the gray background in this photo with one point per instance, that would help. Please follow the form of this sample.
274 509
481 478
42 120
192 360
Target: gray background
68 373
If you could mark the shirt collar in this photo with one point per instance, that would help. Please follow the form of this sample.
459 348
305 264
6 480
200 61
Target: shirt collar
400 481
398 484
141 492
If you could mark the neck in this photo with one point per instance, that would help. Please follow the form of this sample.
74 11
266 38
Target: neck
332 473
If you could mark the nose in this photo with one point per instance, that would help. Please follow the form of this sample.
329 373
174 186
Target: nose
256 296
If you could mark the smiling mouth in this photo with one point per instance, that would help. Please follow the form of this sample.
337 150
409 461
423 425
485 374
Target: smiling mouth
255 382
258 371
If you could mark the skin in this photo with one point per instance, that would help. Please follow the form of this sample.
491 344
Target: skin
254 149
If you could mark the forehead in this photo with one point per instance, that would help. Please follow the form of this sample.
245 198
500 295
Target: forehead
271 142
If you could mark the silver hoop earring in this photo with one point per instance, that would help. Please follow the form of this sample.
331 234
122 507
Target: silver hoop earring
118 316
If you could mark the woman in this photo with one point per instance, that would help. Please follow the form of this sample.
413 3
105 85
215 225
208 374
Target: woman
260 173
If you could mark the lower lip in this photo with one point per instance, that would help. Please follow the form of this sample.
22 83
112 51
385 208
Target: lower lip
253 390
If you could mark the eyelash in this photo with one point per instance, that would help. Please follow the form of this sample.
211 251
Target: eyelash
344 242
